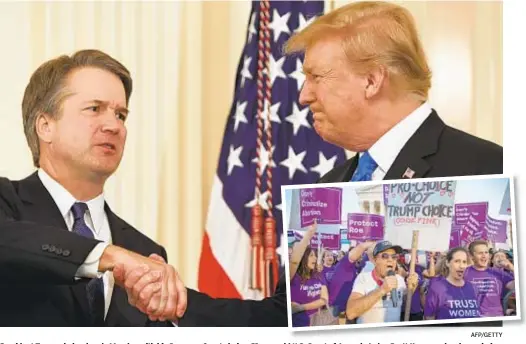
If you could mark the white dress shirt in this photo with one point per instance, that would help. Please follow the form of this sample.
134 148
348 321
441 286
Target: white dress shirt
387 148
96 219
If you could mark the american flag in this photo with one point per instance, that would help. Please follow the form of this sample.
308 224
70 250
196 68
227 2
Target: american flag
297 155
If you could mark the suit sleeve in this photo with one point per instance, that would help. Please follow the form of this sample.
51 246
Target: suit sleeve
33 253
204 310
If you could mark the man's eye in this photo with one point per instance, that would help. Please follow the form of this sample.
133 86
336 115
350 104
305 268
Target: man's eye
121 116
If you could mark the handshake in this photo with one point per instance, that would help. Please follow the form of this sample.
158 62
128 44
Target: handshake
152 286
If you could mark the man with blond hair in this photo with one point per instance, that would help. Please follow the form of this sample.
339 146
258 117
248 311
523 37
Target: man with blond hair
367 84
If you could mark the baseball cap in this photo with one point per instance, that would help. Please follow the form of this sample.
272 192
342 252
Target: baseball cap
384 246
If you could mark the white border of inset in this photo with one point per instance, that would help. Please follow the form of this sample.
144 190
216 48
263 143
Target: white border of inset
409 323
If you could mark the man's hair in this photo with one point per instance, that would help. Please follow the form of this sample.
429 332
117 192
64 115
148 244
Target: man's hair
374 34
476 243
47 90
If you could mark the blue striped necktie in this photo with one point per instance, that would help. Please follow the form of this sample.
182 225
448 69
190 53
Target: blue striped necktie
365 169
95 287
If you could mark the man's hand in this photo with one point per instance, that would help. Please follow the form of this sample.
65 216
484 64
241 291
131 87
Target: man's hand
412 281
390 282
505 264
369 244
153 286
312 228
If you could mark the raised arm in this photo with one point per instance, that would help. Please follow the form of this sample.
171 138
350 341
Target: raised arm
299 249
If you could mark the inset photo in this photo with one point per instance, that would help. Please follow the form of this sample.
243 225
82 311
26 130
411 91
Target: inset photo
405 252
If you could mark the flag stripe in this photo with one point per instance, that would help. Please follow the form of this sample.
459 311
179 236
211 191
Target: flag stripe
229 244
215 282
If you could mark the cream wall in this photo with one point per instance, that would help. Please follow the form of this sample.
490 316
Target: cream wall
183 57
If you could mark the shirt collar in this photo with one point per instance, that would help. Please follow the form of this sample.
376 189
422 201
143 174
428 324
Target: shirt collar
65 200
387 148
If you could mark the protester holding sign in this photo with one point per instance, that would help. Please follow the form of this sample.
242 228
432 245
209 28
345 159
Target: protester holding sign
378 296
308 288
500 261
490 283
452 297
343 278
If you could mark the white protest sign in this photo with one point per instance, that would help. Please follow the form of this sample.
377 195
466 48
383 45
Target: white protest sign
427 207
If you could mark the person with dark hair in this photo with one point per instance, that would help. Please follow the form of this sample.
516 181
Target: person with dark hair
500 260
308 287
452 297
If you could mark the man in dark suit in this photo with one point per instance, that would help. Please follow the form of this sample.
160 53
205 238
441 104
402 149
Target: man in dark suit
367 84
368 92
59 239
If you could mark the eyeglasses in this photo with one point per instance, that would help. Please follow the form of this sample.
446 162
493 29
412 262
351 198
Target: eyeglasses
387 256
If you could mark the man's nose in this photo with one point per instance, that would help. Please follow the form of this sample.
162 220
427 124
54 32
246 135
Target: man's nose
306 94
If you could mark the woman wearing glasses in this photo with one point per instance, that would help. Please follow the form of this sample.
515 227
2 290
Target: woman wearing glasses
378 295
452 297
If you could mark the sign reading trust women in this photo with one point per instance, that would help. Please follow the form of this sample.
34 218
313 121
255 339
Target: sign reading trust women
424 206
323 204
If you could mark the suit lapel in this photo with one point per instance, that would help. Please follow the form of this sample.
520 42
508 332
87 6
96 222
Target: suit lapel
410 162
347 172
39 207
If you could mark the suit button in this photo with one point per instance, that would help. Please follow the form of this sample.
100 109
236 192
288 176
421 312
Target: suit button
66 253
45 247
52 248
58 251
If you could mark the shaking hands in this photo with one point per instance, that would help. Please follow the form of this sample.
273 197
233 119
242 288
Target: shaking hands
152 286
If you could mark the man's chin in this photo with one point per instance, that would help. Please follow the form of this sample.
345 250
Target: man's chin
104 170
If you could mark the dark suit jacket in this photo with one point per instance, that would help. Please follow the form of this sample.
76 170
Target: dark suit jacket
39 258
436 150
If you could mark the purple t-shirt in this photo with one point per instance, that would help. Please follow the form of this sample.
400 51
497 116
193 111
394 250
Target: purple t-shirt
446 301
416 304
328 272
340 286
302 292
490 286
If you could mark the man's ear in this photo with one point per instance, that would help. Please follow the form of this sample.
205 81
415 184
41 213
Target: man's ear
374 81
44 126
